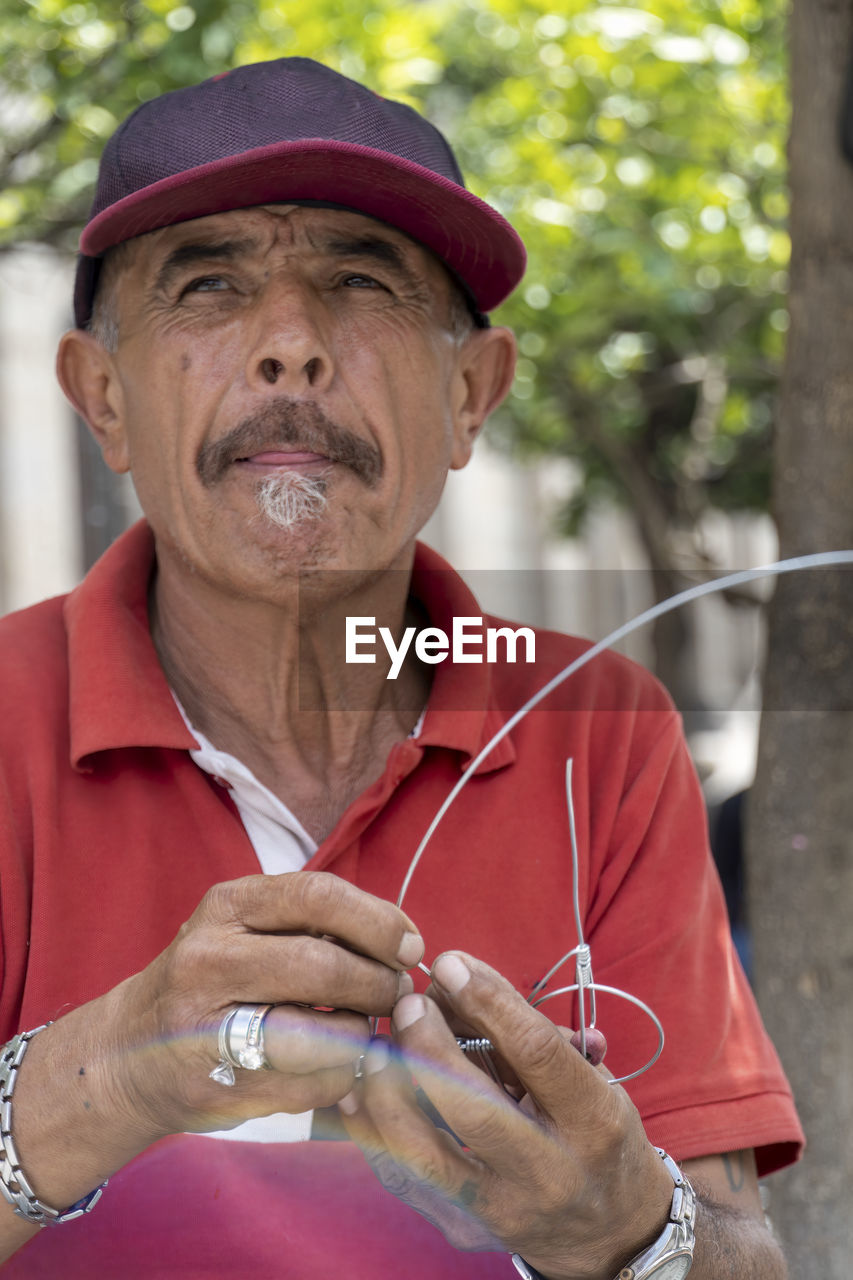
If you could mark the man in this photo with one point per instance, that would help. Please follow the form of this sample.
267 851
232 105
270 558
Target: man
281 334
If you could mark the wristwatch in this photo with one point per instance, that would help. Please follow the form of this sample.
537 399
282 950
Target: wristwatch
671 1255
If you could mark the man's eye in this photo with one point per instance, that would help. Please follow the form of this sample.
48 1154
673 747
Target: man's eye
359 281
205 284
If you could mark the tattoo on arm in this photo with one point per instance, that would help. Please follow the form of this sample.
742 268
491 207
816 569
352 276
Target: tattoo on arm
735 1173
466 1195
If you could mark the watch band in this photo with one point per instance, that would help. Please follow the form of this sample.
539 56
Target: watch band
671 1254
675 1241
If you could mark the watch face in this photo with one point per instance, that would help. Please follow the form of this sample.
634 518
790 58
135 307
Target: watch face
671 1268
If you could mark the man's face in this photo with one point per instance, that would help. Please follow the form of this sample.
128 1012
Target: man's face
280 341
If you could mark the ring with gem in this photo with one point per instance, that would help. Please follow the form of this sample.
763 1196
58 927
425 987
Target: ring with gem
241 1042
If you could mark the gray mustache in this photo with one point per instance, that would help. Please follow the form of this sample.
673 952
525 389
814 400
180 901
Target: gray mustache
283 422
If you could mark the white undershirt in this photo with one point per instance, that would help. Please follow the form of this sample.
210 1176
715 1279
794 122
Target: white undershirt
278 837
281 843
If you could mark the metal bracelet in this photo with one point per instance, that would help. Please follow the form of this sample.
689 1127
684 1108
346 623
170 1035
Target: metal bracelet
14 1184
524 1269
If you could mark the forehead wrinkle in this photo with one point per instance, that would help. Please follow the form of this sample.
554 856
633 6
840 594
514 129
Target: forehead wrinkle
340 243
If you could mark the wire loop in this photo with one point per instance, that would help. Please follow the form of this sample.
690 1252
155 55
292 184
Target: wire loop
583 966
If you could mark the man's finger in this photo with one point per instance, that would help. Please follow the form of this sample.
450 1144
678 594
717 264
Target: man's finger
259 1093
510 1142
317 903
550 1069
302 1041
268 969
421 1165
400 1129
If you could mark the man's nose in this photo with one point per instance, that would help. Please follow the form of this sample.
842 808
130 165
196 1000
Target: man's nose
291 350
272 369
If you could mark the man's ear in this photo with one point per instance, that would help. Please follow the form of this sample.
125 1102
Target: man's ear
87 374
484 377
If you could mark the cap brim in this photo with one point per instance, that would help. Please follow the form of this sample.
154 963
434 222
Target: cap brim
475 241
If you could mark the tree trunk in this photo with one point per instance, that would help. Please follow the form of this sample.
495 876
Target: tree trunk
674 644
800 828
673 635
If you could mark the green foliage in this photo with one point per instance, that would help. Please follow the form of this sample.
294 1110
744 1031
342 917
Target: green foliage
639 151
637 147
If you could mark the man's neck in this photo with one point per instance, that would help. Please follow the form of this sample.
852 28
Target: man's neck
269 684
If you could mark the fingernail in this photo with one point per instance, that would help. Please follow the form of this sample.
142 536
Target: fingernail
408 1011
377 1057
405 986
451 973
348 1104
411 949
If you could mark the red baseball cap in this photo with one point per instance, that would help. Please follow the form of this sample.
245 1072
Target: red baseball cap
287 131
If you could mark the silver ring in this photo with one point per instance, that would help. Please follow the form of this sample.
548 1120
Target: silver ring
245 1037
241 1042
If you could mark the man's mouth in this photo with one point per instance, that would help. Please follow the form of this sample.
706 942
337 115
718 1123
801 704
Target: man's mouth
284 434
282 458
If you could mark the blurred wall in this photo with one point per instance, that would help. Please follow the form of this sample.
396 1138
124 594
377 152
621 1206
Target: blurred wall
40 535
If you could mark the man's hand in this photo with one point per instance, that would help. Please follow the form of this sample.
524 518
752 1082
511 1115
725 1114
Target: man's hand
565 1176
326 953
111 1077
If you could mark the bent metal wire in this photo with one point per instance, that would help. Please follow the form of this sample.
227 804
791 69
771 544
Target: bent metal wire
584 982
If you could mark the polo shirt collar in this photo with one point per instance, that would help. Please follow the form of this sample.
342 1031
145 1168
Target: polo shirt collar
120 698
118 692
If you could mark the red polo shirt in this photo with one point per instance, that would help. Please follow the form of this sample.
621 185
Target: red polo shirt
110 835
